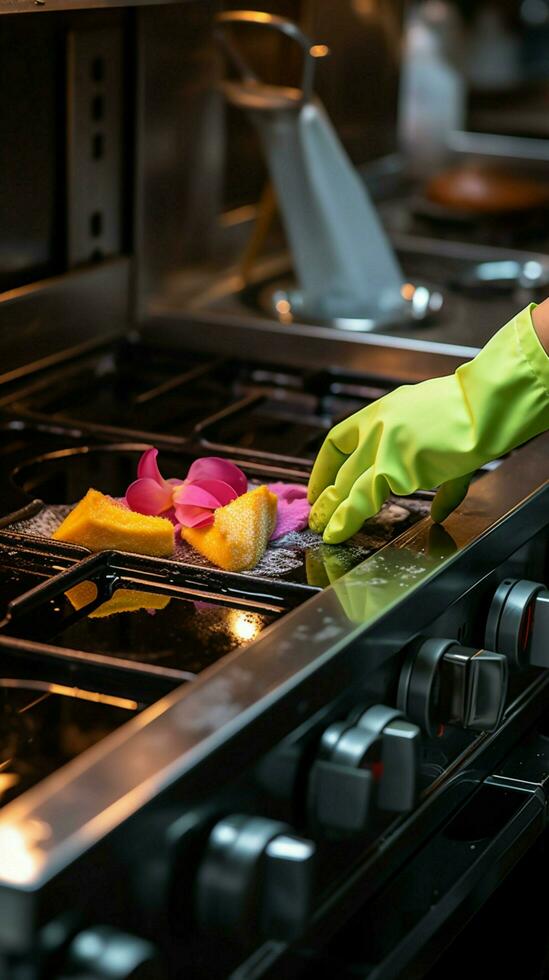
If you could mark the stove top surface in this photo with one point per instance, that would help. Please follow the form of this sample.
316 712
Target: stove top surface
270 419
89 641
279 413
87 666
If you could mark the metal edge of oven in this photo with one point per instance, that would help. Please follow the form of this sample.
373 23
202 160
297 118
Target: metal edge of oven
410 359
282 677
47 322
306 346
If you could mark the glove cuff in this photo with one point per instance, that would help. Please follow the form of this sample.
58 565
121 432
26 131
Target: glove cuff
531 349
504 390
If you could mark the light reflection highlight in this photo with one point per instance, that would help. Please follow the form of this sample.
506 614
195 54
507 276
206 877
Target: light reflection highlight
70 692
21 855
7 781
244 625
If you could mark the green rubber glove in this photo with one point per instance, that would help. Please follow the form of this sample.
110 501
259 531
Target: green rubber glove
433 434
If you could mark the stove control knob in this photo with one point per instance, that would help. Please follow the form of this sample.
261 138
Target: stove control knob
104 953
256 879
444 683
371 760
518 623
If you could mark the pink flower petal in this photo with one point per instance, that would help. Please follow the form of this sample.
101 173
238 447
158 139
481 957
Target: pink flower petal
214 468
193 516
211 482
147 467
145 496
205 493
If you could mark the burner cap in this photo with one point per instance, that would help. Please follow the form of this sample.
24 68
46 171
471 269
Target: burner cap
284 302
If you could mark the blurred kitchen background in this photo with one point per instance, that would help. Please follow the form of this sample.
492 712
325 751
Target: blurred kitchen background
441 106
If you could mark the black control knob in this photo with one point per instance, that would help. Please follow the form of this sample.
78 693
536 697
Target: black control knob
444 683
518 623
256 879
370 760
104 953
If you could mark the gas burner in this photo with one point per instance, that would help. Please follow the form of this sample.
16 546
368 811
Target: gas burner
110 395
417 215
220 688
276 427
283 302
283 424
128 387
529 279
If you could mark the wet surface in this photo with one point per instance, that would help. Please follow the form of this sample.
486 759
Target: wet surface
185 635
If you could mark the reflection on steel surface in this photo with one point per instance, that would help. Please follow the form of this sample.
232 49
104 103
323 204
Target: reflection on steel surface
69 692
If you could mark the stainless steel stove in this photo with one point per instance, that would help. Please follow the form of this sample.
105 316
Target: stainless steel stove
277 733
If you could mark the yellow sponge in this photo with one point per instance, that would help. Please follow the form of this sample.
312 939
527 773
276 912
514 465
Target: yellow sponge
100 524
239 535
123 600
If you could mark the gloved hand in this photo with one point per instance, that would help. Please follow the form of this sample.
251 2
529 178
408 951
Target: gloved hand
433 434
